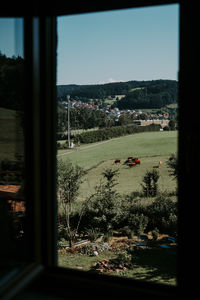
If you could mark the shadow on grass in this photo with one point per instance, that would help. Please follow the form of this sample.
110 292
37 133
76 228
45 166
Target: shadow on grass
155 264
152 263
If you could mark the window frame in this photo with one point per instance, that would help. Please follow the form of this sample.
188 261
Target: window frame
40 60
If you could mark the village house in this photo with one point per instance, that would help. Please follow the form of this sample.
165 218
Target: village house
9 195
163 123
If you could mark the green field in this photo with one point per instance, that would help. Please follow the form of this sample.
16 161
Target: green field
141 145
150 147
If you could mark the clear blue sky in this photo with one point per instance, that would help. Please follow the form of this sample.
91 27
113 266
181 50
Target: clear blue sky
121 45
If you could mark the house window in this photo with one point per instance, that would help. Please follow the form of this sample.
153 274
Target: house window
117 93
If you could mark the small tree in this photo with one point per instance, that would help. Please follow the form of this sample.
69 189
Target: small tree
150 183
68 182
110 175
105 207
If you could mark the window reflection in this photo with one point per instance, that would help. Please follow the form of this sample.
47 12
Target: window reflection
12 200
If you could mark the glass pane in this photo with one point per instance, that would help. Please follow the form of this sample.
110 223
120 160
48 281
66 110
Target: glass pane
14 253
117 92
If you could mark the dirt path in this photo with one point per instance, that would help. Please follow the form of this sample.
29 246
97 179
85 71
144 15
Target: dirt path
86 147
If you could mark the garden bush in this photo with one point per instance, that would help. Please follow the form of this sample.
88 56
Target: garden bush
162 214
138 223
127 231
106 210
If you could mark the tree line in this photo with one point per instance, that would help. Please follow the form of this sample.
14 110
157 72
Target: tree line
11 82
109 133
156 95
82 118
138 94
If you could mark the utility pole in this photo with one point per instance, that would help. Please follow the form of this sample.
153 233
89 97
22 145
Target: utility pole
68 127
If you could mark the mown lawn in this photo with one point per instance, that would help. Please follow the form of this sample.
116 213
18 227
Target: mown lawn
82 261
151 264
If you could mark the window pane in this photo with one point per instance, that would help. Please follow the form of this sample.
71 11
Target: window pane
117 93
14 252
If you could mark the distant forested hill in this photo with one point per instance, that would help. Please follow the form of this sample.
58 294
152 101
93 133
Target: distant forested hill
11 82
138 94
97 91
155 95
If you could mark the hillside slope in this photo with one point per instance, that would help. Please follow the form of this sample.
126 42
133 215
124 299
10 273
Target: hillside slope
138 94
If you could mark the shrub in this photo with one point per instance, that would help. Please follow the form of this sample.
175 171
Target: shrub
138 222
150 183
166 128
127 231
93 234
162 214
104 209
124 256
170 224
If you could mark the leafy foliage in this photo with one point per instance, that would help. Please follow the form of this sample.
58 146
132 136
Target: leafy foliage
82 118
138 222
68 181
150 185
104 209
162 215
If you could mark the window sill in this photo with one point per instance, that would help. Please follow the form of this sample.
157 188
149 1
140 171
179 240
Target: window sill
60 283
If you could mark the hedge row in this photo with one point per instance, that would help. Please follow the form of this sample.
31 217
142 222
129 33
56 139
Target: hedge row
136 218
112 132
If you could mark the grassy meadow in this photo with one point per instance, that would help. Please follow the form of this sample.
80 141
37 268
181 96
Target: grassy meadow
149 147
144 144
